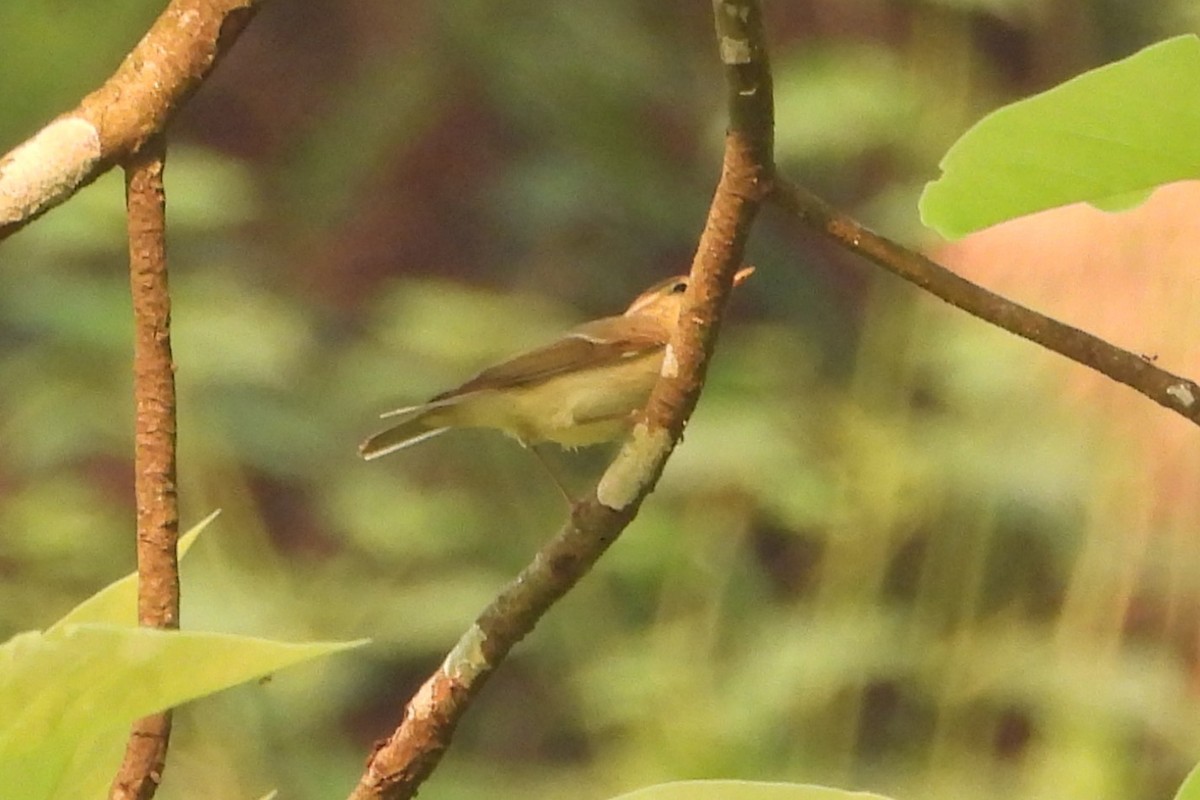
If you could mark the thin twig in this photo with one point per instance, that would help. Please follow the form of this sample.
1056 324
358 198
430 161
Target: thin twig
1172 391
153 82
400 764
154 448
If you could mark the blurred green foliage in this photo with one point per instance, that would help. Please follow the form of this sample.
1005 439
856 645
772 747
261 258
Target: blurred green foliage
862 568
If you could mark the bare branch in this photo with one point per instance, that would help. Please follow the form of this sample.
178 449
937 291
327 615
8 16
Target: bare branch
153 81
399 765
1178 394
154 448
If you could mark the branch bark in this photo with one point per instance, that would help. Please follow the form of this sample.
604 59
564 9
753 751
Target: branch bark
122 121
401 763
153 81
154 448
1172 391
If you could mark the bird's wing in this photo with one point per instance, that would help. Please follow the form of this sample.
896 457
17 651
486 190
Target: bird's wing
593 344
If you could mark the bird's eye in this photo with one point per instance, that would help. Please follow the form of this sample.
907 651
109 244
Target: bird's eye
679 288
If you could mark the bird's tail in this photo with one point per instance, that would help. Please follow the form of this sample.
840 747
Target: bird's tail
415 426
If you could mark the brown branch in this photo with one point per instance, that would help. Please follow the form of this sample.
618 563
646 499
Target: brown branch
1178 394
153 81
154 448
399 765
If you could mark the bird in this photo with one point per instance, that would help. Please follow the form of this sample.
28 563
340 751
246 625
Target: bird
581 389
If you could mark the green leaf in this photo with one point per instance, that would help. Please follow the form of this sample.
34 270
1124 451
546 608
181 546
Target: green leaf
1107 137
1190 789
743 790
68 696
117 602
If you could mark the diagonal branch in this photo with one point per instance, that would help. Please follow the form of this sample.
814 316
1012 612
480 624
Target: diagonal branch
153 81
154 448
1178 394
400 764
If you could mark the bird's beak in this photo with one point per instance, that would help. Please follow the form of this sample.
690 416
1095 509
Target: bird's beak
742 274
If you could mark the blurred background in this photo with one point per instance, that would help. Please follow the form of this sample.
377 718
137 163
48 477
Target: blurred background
898 550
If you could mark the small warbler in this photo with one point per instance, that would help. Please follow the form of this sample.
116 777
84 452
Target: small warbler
581 389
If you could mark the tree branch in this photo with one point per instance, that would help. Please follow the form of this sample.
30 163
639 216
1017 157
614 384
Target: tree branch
154 448
153 81
1178 394
400 764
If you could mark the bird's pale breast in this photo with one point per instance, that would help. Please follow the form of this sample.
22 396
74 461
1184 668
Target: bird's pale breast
573 409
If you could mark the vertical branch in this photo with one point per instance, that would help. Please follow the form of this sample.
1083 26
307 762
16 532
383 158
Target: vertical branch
154 447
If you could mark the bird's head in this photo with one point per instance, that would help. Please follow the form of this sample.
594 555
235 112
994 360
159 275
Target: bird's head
664 299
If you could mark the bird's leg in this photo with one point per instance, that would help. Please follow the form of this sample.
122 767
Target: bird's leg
550 471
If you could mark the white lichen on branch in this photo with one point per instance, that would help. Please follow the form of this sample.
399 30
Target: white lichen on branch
47 168
1182 394
670 365
734 51
466 660
624 479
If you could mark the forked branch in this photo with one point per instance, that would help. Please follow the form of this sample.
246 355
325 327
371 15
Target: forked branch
153 81
400 764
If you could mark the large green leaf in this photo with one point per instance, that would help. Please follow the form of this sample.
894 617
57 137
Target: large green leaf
743 790
68 695
1107 137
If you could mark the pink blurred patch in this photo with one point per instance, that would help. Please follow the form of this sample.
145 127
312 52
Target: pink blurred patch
1132 278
